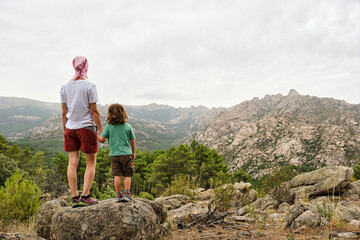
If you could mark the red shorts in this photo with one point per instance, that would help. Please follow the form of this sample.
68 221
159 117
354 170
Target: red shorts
80 139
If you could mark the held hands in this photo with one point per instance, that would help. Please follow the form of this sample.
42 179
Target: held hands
101 139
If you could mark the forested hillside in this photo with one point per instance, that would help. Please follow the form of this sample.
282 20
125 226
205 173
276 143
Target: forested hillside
156 126
21 114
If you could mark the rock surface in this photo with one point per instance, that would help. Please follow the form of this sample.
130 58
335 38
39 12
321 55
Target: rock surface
347 211
266 203
158 208
304 130
324 181
106 220
174 201
44 217
301 216
18 236
206 195
187 213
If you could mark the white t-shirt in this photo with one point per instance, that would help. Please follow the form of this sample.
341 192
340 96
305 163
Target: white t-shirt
78 95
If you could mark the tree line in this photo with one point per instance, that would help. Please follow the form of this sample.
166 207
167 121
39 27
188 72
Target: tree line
26 173
155 170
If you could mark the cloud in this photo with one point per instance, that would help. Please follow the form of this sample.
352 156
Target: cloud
212 53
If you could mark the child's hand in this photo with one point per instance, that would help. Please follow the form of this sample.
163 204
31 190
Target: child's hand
133 156
101 139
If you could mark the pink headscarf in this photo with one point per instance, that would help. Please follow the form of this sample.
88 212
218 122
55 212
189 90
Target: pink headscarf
81 66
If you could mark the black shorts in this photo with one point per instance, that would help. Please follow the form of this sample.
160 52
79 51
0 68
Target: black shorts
122 165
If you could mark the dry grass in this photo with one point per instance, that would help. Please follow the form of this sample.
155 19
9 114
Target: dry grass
19 227
248 231
258 230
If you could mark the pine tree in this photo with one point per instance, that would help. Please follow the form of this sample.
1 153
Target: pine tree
19 199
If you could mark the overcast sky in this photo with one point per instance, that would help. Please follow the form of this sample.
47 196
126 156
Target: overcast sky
182 53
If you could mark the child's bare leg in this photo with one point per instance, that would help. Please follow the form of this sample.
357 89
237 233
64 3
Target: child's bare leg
117 183
127 183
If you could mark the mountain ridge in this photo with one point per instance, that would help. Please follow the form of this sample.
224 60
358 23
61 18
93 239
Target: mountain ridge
254 135
156 126
298 129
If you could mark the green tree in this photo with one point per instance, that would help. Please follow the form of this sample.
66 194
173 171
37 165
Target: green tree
173 162
7 168
24 159
37 168
208 165
139 182
240 175
180 185
278 176
60 165
103 168
56 177
19 199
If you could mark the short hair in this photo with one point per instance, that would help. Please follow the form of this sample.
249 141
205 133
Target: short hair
116 114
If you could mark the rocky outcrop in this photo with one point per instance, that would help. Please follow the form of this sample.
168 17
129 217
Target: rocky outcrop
244 194
266 203
159 208
205 195
347 211
320 196
303 130
322 182
174 201
187 213
106 220
301 216
44 217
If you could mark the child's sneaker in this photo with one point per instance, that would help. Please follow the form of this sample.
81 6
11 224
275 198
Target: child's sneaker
76 201
88 200
127 197
119 196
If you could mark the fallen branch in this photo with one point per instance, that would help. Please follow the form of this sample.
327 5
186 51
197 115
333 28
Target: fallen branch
209 218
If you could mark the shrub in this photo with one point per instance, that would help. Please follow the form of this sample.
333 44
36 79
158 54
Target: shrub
224 197
146 196
325 210
180 185
19 199
275 186
94 190
107 193
357 171
240 175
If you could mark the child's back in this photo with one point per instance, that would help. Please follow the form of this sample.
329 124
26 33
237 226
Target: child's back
119 136
122 149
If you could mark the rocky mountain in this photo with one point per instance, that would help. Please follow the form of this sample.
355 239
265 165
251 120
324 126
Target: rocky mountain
21 114
302 130
156 126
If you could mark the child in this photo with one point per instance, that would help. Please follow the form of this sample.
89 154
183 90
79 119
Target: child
121 139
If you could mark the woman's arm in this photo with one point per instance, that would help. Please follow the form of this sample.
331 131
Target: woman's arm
96 116
63 116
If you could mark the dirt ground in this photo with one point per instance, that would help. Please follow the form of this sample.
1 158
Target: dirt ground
256 231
